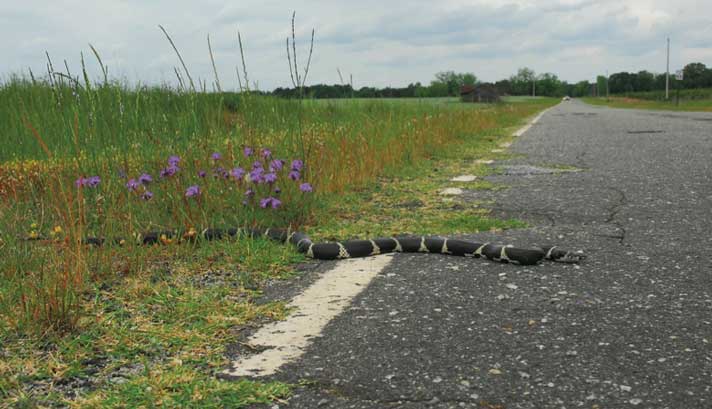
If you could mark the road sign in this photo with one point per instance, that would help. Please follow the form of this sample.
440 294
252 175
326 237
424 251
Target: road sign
679 75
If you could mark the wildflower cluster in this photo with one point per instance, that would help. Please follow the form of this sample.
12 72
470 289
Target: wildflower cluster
134 185
92 181
258 175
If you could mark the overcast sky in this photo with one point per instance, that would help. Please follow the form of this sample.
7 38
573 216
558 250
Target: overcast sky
380 42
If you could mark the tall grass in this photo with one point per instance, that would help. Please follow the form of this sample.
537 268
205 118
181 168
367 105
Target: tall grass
59 130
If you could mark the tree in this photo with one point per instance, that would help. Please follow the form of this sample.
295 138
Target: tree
694 75
453 81
601 84
522 83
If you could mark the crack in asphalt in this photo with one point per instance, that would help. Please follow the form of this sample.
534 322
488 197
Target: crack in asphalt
613 213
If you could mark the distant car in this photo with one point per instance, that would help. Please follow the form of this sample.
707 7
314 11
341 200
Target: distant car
566 98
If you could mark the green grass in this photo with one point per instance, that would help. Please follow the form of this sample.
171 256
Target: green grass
74 315
704 105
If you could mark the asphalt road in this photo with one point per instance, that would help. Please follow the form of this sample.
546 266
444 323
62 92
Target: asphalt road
630 327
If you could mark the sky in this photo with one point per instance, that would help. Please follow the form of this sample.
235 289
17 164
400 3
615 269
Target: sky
378 42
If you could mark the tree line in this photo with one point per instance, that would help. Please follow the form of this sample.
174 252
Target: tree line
525 82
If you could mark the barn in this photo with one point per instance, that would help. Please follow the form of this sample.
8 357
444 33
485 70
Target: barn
479 93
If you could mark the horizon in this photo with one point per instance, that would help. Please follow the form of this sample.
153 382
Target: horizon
399 45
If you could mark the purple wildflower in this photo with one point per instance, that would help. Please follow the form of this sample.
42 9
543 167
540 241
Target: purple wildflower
247 151
270 202
216 156
147 195
201 174
294 175
266 153
220 172
92 181
173 160
249 193
277 190
276 165
238 173
297 165
169 171
271 177
132 185
256 175
306 187
192 191
145 179
81 181
257 165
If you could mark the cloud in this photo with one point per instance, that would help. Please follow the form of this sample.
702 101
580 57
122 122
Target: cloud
380 43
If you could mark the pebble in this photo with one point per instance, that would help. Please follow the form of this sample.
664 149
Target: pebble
464 178
635 401
452 191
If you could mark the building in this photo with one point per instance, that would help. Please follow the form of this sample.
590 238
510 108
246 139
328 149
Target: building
479 93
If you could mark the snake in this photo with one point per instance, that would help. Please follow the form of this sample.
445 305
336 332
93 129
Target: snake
362 248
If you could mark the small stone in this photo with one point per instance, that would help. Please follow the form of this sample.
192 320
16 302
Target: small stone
635 401
117 380
464 178
484 161
550 384
437 379
465 383
451 191
524 375
512 286
495 371
625 388
322 402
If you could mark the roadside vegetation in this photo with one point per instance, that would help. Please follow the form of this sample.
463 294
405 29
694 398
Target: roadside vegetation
699 99
130 326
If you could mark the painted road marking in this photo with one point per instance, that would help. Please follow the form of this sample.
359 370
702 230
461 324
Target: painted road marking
313 309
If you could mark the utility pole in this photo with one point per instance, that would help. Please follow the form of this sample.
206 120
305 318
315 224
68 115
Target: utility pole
608 89
667 72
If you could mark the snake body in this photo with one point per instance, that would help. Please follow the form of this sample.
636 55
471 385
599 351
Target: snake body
365 248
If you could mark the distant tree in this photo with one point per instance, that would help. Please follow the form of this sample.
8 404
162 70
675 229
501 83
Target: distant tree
523 82
504 87
453 81
601 83
549 85
694 75
644 81
581 89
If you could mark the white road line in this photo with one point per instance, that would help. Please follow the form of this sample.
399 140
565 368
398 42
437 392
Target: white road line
313 309
526 127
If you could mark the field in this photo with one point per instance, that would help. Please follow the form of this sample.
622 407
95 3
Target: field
688 100
128 326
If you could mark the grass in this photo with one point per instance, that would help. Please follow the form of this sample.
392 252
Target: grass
144 326
703 104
